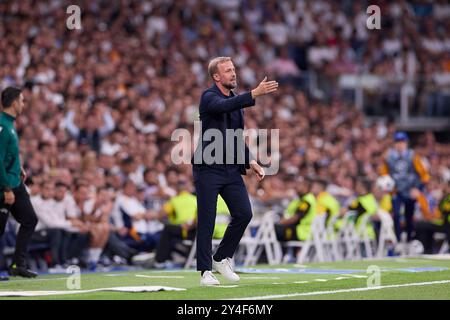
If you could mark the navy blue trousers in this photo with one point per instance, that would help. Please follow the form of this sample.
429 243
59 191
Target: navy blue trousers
209 183
409 204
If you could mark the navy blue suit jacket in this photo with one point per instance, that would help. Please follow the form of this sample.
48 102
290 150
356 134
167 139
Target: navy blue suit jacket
221 112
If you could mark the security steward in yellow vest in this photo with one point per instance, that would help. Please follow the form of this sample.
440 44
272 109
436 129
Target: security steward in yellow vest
181 212
326 203
299 215
364 205
439 222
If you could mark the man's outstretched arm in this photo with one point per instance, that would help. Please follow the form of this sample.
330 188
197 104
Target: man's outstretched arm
216 104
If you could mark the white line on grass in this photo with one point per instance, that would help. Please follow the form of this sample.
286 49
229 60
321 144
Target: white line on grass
38 279
260 278
17 293
355 276
159 277
317 293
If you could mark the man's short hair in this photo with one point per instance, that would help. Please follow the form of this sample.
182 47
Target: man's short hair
60 184
9 95
212 67
322 182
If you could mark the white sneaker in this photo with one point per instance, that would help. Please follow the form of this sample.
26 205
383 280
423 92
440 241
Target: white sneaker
208 279
224 268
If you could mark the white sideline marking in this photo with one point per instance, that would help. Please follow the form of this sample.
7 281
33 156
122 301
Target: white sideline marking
317 293
444 256
159 277
301 282
282 269
341 278
320 280
355 276
259 278
66 292
38 279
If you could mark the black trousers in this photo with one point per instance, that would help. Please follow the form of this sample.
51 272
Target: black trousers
22 210
115 246
286 232
209 183
77 243
425 231
57 239
170 235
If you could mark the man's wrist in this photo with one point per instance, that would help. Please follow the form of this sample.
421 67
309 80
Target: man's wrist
254 94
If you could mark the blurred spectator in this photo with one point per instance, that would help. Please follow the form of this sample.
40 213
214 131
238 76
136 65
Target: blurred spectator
53 225
137 225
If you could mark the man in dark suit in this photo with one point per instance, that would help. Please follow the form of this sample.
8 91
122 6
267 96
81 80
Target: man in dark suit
218 163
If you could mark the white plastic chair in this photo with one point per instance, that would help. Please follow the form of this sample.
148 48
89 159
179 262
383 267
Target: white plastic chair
264 239
191 260
316 242
349 238
440 236
387 234
364 238
331 242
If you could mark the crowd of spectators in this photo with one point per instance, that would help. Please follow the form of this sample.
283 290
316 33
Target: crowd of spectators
103 101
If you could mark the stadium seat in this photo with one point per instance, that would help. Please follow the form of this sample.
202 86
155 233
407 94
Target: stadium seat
315 243
387 235
264 239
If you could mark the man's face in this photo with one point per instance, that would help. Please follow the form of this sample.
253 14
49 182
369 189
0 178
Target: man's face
130 189
316 188
226 75
19 104
60 192
91 123
302 187
103 195
48 191
83 193
401 146
360 188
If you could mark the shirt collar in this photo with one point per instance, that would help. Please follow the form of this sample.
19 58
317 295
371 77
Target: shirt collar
8 116
217 88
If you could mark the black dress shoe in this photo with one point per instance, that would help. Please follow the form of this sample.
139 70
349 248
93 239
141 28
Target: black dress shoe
4 278
16 271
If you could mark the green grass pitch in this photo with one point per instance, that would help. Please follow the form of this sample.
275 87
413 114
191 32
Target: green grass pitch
397 281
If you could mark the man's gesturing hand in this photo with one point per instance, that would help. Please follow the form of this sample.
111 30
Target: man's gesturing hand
265 87
257 169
